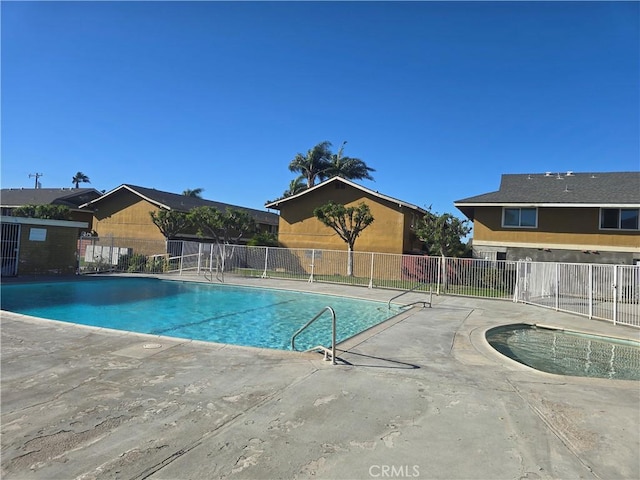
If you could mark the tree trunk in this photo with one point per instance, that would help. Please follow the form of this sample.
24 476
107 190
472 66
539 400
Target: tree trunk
445 274
350 262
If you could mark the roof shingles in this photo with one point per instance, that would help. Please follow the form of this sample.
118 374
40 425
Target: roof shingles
183 203
576 188
71 197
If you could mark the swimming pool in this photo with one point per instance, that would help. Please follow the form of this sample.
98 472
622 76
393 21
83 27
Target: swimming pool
249 316
565 352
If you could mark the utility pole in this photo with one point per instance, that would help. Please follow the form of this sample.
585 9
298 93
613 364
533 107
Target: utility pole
37 175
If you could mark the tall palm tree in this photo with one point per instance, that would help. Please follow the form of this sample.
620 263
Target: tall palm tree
312 165
80 178
196 193
347 167
296 186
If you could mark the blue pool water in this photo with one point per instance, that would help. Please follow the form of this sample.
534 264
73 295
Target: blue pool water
258 317
567 353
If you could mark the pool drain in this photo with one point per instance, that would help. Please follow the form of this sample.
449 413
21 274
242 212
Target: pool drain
152 345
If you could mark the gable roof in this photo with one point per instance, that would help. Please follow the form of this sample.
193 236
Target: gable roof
183 203
276 203
70 197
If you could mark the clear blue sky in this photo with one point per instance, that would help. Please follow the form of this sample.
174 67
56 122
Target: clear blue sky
439 98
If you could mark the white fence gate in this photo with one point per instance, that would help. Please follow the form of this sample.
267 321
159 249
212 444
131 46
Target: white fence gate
608 292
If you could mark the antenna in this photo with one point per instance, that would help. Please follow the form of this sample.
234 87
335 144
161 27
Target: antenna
37 176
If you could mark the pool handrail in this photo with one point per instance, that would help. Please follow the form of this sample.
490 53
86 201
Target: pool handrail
424 302
333 333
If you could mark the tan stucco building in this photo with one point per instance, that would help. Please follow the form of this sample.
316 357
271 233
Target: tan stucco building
390 232
125 212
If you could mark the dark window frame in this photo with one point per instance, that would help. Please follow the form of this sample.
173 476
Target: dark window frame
610 216
519 224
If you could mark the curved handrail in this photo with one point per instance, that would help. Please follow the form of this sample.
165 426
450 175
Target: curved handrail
333 331
409 291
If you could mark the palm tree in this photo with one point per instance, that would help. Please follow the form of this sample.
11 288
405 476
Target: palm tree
196 193
320 163
313 164
296 186
80 178
347 167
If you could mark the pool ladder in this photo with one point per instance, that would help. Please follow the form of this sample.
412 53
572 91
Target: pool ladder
423 302
327 351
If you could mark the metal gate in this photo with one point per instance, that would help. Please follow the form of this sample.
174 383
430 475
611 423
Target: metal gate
10 248
607 292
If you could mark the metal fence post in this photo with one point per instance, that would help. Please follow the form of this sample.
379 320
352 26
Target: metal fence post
181 256
445 274
517 284
590 291
439 275
111 267
371 272
313 262
557 285
266 262
615 294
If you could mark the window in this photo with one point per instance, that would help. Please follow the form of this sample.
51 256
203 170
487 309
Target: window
619 218
520 217
37 234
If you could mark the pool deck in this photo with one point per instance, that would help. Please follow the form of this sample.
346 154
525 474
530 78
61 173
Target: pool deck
422 396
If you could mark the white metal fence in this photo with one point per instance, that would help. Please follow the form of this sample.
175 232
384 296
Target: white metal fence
9 248
112 254
608 292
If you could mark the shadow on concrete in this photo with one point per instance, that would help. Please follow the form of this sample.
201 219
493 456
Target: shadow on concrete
386 362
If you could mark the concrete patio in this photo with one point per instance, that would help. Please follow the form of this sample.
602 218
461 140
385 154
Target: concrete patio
422 396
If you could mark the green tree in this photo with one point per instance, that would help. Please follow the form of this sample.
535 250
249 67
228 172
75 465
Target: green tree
442 234
312 165
225 227
347 167
320 163
79 178
264 239
46 212
170 222
297 185
196 192
347 222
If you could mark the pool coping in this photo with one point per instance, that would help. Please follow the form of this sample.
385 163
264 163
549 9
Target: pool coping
481 344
